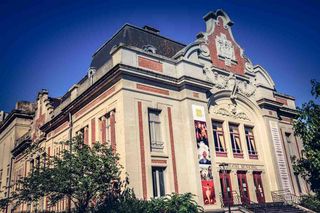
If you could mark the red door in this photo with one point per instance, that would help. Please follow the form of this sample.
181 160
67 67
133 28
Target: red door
226 188
258 187
243 187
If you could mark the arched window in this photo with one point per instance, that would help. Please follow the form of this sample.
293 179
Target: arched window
149 48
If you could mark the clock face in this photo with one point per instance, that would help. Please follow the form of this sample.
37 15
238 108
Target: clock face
224 47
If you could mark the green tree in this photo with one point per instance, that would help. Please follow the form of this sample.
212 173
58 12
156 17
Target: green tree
307 127
87 176
90 178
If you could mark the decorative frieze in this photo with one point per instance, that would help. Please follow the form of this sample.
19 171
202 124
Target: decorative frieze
231 111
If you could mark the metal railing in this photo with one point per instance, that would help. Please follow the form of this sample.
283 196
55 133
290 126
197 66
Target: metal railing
285 196
241 200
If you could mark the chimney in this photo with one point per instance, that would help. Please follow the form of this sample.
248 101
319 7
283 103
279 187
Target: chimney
151 29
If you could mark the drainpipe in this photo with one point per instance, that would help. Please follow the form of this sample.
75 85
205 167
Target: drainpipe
70 127
70 139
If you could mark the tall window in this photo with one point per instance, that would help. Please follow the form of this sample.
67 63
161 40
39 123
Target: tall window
292 155
218 136
155 130
235 139
108 134
250 140
158 181
108 129
84 133
290 148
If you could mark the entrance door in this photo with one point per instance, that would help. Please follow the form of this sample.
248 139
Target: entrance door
226 188
243 187
258 187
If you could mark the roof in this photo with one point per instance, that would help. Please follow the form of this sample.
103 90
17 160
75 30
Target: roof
137 37
55 102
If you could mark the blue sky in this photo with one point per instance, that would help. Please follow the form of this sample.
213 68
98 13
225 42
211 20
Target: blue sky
49 44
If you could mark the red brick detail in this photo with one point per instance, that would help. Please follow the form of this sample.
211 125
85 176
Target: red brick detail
85 135
173 155
235 68
61 127
152 89
238 155
195 95
221 154
281 100
40 120
255 157
156 161
142 154
113 131
95 102
93 131
103 130
150 64
25 168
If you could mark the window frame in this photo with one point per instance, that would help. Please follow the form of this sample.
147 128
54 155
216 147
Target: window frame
250 140
217 134
237 153
157 137
158 186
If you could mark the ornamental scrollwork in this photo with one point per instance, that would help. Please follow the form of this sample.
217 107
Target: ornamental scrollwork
247 89
231 83
231 111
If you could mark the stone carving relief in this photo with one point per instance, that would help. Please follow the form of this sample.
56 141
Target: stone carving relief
204 49
247 89
231 83
231 111
220 81
225 48
249 66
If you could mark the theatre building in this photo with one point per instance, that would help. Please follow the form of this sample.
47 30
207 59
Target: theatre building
199 118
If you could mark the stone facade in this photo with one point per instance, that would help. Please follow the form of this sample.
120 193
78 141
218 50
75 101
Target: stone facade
174 113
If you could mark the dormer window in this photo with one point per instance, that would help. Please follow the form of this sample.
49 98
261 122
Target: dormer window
149 48
91 73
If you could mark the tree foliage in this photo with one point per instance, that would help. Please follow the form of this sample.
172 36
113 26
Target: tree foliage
173 203
86 176
90 178
307 127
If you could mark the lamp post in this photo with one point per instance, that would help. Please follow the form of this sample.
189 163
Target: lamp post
223 169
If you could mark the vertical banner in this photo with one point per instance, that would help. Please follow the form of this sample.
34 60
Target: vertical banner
280 156
204 156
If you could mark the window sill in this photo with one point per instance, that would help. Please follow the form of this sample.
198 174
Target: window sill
238 155
159 155
253 156
221 154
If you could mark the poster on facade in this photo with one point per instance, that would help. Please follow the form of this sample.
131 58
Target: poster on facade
202 142
203 153
208 192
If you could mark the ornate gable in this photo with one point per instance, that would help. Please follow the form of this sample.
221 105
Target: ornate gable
43 113
225 53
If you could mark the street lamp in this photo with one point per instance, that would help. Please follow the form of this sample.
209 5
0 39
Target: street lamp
223 169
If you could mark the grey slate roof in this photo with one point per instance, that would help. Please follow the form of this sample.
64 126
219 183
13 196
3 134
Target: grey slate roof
133 36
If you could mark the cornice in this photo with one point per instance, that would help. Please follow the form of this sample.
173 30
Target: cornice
118 72
13 115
